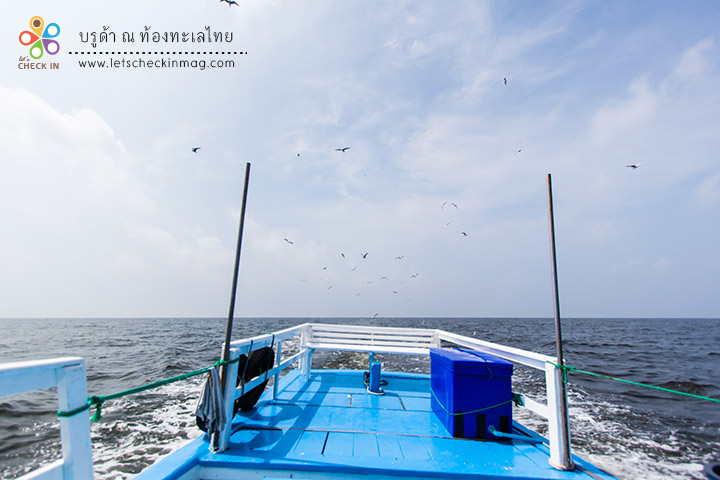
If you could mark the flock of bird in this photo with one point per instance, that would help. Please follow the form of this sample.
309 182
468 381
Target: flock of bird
363 256
362 273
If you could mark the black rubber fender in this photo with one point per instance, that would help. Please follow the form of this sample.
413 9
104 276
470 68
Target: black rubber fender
261 361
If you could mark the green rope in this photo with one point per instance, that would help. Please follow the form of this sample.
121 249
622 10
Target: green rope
70 413
98 400
566 368
517 398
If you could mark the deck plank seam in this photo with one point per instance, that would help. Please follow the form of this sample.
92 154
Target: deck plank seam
365 432
405 409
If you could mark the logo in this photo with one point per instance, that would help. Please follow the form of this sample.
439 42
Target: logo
40 38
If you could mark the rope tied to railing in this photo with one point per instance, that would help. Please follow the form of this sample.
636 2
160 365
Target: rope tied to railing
98 400
566 368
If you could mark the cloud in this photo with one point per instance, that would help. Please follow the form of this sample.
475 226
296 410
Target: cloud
621 121
81 223
696 63
661 264
110 205
169 252
707 192
64 162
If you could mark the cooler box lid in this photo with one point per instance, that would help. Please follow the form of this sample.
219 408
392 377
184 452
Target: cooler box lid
470 362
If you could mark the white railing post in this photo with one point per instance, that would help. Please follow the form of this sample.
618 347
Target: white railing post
276 380
75 430
231 371
559 446
306 362
68 375
436 338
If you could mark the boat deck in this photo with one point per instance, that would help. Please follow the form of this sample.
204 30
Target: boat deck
330 427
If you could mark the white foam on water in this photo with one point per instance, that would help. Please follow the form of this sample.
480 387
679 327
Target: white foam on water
600 435
138 432
615 447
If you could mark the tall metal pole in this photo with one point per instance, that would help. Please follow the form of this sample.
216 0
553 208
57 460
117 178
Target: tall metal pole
567 461
231 313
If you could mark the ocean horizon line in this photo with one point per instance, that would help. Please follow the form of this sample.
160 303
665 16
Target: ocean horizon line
351 317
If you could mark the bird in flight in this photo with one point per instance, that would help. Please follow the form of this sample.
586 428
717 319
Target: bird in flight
505 80
288 241
342 149
635 165
400 257
464 234
230 2
375 315
442 207
195 149
364 255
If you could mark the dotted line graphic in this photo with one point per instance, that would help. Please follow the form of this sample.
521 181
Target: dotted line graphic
158 53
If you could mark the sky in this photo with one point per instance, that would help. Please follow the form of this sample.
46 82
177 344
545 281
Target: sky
455 113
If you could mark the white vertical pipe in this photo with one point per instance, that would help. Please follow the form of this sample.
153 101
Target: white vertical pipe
278 359
306 362
229 388
566 462
557 414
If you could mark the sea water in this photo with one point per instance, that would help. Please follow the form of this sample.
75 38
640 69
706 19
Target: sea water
631 432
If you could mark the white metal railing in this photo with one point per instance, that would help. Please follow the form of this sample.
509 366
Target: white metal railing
372 339
68 375
248 345
552 410
404 341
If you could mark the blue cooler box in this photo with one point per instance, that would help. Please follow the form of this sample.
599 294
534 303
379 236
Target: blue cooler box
466 382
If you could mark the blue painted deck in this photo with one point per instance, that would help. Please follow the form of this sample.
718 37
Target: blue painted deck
330 427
